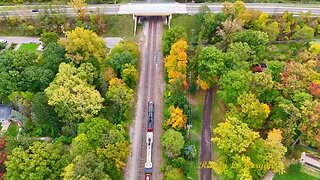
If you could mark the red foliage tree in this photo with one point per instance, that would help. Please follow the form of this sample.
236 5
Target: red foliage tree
314 89
3 157
2 142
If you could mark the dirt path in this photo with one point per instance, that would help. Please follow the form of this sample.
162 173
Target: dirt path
205 148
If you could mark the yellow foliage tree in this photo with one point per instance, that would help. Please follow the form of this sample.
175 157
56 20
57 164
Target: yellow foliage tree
315 48
203 85
79 6
177 119
81 44
176 62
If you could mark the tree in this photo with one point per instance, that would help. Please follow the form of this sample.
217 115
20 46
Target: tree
121 98
80 7
315 48
88 166
170 37
306 33
257 41
232 84
250 111
123 46
210 25
211 64
81 145
242 51
272 30
234 136
309 125
53 56
118 60
229 27
49 37
40 161
261 84
176 62
20 71
73 97
172 141
44 116
177 119
93 129
174 174
129 75
81 44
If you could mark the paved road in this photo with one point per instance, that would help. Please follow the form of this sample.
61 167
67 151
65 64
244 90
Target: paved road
156 9
110 41
205 149
150 89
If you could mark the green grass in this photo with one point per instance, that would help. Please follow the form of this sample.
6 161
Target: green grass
12 130
218 116
296 176
185 21
120 26
192 169
30 47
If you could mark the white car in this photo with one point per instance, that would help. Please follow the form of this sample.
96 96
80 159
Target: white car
3 41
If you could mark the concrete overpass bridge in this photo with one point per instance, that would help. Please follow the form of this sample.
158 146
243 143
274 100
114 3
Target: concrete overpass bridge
165 10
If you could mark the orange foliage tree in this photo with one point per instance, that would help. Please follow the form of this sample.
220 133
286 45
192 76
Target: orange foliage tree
176 62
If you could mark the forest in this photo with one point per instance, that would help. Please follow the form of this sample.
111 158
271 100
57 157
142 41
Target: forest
265 69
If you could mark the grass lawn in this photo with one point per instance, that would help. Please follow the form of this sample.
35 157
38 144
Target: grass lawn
30 47
192 170
120 26
185 21
296 176
217 114
13 130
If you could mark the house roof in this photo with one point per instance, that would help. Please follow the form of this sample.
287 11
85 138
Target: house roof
5 111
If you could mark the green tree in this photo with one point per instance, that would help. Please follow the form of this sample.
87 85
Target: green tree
250 111
234 136
129 75
74 99
88 166
210 25
53 56
81 145
170 37
241 50
49 37
44 116
172 142
118 60
232 84
39 161
174 174
272 30
257 41
81 44
121 98
306 33
123 46
211 64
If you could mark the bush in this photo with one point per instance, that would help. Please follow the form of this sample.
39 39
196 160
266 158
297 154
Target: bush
3 45
294 168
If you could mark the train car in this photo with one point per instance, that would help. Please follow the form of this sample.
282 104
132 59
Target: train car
150 116
148 177
148 164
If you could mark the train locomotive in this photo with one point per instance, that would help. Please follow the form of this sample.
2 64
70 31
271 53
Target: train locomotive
149 141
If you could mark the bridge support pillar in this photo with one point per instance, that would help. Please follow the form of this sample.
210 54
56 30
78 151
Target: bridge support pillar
169 20
135 18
